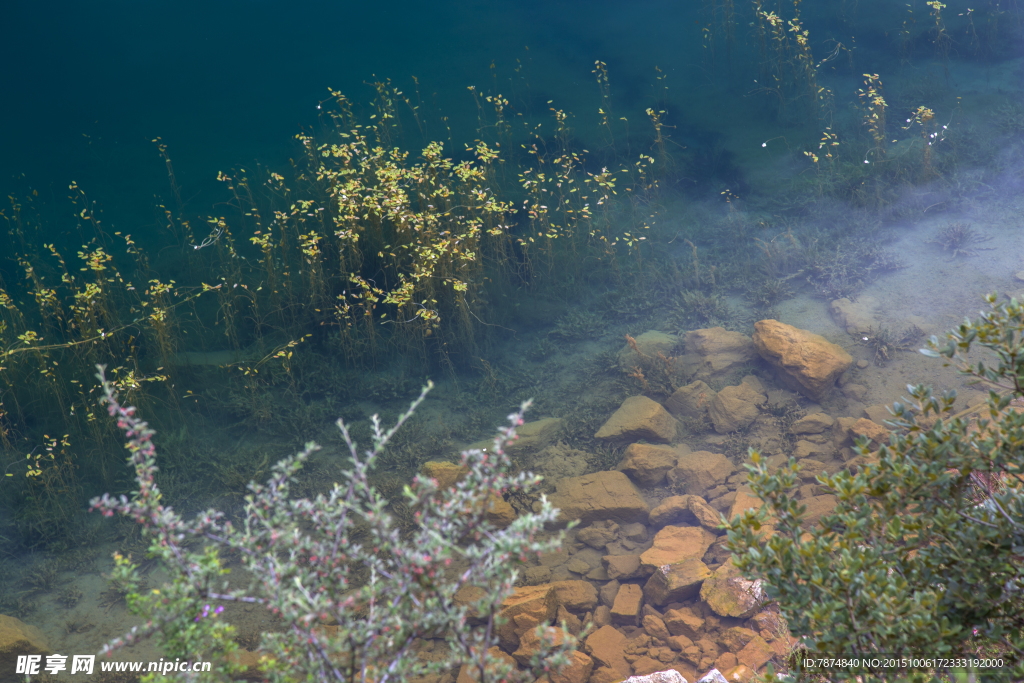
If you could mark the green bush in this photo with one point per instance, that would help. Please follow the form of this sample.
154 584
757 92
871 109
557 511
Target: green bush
339 559
922 554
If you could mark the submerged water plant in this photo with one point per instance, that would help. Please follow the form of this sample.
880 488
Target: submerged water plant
960 239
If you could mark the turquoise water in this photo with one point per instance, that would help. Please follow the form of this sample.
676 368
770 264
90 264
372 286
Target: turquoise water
782 183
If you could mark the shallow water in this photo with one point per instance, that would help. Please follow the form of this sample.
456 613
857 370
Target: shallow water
745 185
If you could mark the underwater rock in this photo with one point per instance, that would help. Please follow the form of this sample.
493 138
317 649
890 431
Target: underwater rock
18 638
676 582
578 670
728 594
536 435
597 496
755 654
524 610
745 500
737 407
646 666
817 507
715 352
684 622
856 392
623 566
531 436
700 471
500 513
848 429
530 644
685 509
607 645
446 474
706 516
639 418
693 400
856 317
576 595
812 468
735 639
805 361
467 672
649 344
598 535
654 626
675 544
628 603
559 461
807 449
647 464
672 510
815 423
878 413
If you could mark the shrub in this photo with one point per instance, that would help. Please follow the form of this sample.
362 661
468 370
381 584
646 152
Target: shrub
339 560
922 554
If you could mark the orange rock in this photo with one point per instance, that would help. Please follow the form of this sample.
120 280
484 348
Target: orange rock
700 471
639 418
578 670
468 674
676 582
672 510
755 654
807 362
647 464
736 408
628 602
524 610
529 643
606 645
718 351
447 474
693 400
602 495
675 544
684 622
576 595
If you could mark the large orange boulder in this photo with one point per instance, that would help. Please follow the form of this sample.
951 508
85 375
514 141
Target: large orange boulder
807 362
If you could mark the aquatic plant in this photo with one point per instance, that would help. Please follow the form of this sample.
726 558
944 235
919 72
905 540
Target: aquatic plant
366 251
351 593
844 271
886 342
765 292
578 325
874 111
960 239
